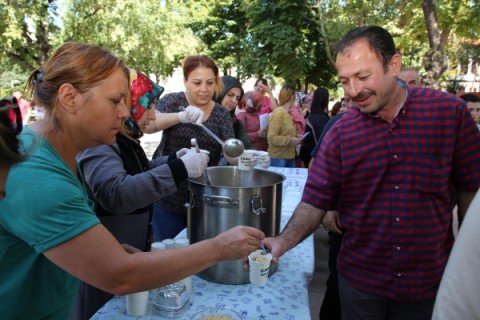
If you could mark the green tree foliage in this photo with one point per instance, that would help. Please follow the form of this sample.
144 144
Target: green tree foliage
150 35
12 79
223 31
286 39
425 43
28 29
282 38
279 38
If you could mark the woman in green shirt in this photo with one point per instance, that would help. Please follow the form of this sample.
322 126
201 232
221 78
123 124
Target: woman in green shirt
50 236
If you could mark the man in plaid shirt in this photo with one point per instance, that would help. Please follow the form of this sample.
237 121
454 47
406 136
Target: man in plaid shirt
389 166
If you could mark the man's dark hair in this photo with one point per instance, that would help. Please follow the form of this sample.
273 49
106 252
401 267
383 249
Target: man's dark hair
470 97
379 40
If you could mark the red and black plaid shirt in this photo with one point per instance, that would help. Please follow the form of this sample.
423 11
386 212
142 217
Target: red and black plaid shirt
392 183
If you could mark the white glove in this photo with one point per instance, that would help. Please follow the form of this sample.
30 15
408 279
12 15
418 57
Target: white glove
195 163
182 152
191 115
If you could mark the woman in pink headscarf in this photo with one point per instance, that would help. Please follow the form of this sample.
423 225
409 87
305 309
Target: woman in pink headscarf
251 121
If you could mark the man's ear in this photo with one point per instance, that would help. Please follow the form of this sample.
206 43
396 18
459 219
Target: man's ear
67 98
395 64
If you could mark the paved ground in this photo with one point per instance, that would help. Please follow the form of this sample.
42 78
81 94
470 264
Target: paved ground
317 284
150 142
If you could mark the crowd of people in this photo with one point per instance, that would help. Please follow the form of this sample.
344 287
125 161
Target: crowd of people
386 170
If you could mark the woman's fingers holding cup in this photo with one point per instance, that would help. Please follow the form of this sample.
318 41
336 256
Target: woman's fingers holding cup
238 242
263 158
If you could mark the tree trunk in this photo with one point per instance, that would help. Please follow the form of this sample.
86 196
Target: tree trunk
42 29
434 59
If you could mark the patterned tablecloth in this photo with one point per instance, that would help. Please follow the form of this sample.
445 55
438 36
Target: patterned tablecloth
285 296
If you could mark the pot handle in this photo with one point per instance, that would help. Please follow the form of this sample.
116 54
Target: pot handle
260 209
220 201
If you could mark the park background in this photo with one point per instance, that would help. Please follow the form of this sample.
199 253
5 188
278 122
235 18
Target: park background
281 40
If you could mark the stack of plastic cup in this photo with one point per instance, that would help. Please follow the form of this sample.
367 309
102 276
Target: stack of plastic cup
180 243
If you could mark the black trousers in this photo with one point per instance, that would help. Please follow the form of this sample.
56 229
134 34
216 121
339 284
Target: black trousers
359 305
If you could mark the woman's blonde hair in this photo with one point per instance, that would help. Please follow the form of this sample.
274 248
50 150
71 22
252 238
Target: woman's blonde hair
81 65
286 93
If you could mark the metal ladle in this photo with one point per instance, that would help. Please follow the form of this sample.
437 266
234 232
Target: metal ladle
231 147
194 143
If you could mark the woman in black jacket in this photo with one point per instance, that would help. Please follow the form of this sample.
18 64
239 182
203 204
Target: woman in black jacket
316 121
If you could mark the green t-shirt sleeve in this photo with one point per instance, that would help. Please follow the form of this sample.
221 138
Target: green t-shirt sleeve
50 209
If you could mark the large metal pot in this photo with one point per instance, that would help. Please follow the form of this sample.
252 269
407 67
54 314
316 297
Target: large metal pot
233 197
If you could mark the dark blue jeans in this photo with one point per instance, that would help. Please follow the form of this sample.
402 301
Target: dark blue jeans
281 162
167 224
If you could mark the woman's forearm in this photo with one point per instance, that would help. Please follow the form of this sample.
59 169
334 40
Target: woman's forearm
162 121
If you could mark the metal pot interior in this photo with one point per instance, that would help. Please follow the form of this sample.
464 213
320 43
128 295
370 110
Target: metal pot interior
232 177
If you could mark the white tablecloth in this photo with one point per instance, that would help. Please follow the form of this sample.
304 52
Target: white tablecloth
285 296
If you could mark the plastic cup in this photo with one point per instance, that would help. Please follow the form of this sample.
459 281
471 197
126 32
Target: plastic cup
259 267
137 303
245 160
158 246
181 242
262 156
169 243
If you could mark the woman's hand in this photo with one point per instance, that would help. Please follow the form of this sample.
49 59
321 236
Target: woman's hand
295 141
195 163
262 133
238 242
191 115
180 153
266 88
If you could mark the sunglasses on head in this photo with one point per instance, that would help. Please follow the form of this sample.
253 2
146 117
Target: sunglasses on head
10 115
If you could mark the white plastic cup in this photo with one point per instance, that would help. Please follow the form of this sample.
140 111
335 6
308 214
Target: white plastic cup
181 242
169 243
245 159
158 246
259 267
262 156
137 304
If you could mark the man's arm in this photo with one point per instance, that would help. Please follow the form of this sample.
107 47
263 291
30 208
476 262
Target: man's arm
304 221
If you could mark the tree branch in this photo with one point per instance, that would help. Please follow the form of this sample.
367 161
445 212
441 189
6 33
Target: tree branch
324 35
